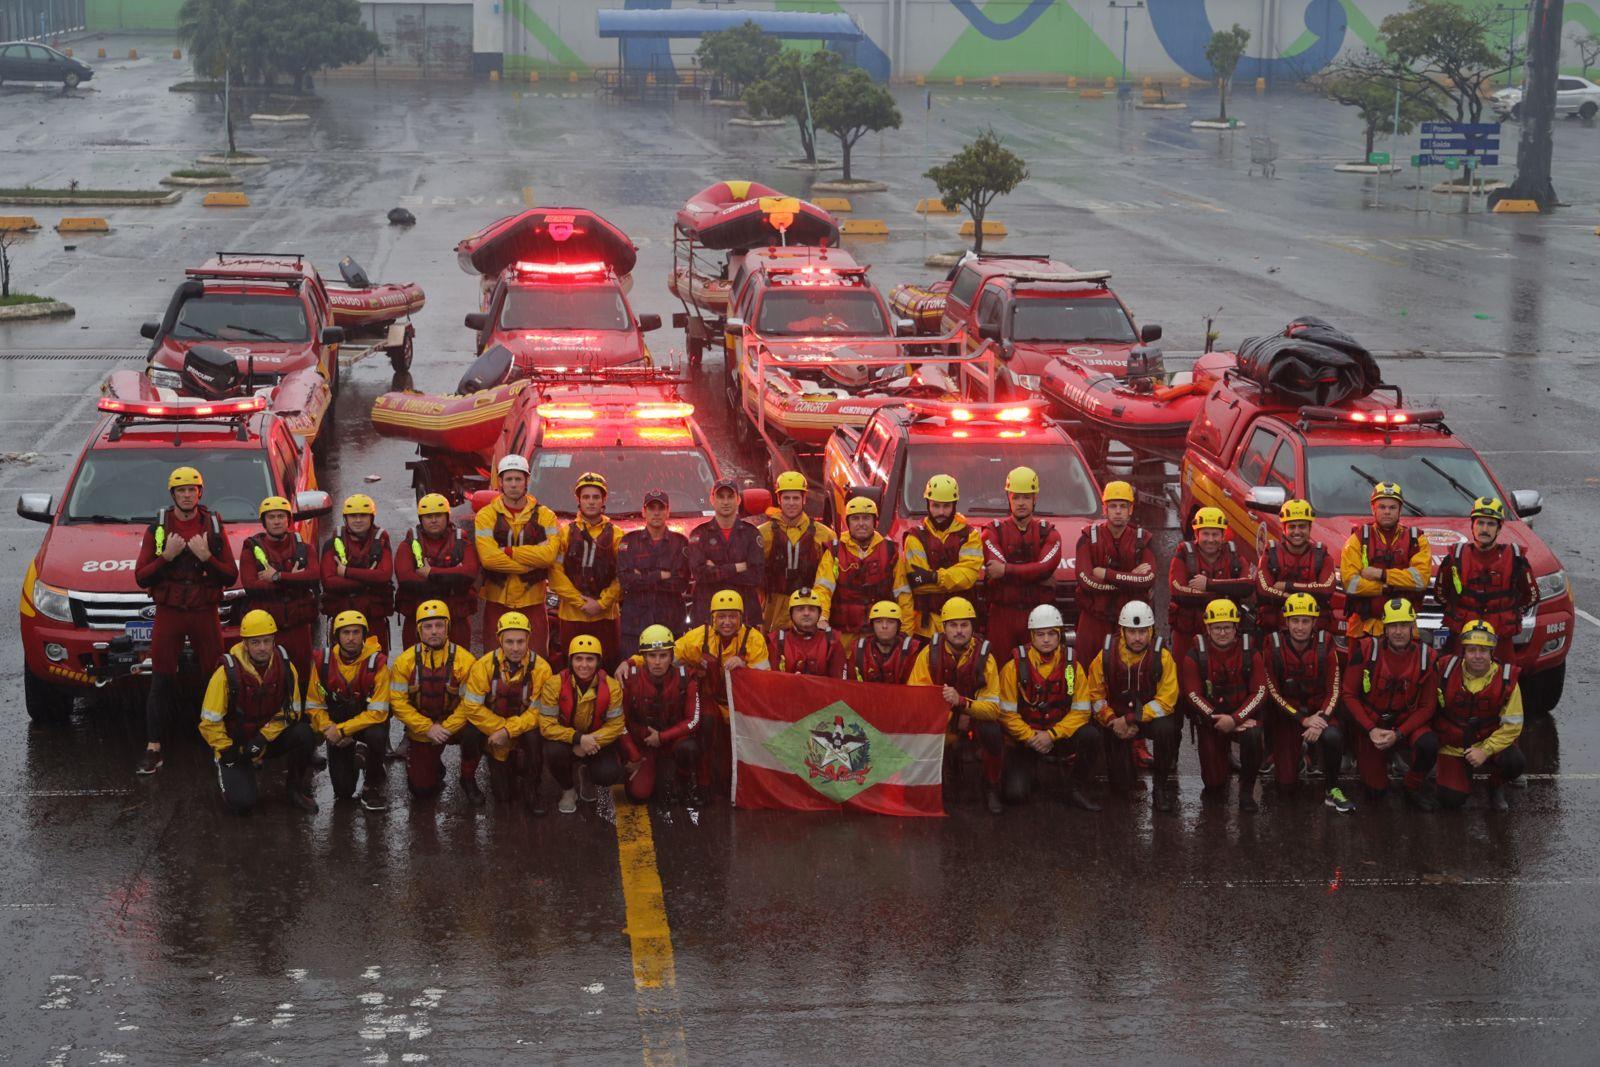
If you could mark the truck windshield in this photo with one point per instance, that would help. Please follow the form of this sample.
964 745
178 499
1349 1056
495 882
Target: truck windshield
683 474
241 317
803 313
1076 319
1340 483
980 466
130 484
559 308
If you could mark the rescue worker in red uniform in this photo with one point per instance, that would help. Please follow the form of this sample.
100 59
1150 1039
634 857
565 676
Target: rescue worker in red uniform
517 539
347 701
661 716
501 699
1390 692
1223 684
725 555
1020 557
797 552
943 553
580 718
435 562
1486 581
1302 670
1382 559
185 563
886 655
280 574
804 647
425 683
653 567
1208 568
358 568
1479 720
1039 715
1116 566
1296 564
958 661
252 713
867 568
1131 687
585 579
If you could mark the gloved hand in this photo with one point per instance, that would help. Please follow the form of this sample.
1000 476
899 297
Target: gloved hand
251 750
919 577
231 756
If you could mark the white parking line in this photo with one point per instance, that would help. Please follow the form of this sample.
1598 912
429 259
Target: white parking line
1586 616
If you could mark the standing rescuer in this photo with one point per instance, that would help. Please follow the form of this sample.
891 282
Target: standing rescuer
425 683
886 654
1383 559
435 562
1221 679
501 698
1021 554
1132 689
957 660
661 715
1294 565
1205 569
1390 691
1038 712
280 574
185 563
725 555
797 550
944 555
580 718
517 540
653 567
358 568
1486 581
1479 720
347 700
252 713
867 568
585 579
1116 566
1303 686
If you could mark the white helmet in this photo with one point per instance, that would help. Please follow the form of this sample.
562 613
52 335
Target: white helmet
512 462
1137 615
1045 617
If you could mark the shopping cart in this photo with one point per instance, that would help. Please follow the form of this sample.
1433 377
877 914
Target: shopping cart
1263 154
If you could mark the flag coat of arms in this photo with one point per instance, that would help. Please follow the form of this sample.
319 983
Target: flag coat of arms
824 744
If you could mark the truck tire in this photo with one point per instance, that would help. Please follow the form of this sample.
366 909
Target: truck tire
1542 692
46 703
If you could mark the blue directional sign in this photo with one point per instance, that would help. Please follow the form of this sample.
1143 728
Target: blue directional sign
1478 141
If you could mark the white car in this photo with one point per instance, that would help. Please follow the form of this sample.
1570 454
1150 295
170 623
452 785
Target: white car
1574 96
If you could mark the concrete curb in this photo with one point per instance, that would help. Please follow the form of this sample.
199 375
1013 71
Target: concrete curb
1169 106
93 201
759 124
265 117
174 180
943 259
815 168
1451 189
50 309
1213 124
212 159
854 185
1366 168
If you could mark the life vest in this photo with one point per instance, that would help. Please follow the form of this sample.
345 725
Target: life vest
1482 585
1390 695
893 668
1130 686
590 563
1043 699
965 677
793 654
1392 555
942 554
510 697
375 599
863 581
1020 547
1278 564
447 552
1302 678
792 564
187 568
289 603
1187 612
253 701
713 679
651 706
1226 684
1116 555
530 533
1466 718
435 690
346 699
567 702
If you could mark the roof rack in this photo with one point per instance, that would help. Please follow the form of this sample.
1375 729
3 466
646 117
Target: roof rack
1042 257
298 257
1094 276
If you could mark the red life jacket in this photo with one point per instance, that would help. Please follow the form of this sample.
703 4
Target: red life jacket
1187 612
346 699
1224 673
650 705
942 553
376 599
1390 691
1278 564
893 669
1302 677
863 581
186 584
713 679
794 654
1467 718
252 702
792 564
967 677
1115 554
1043 699
531 533
567 702
1483 585
1020 546
289 603
435 691
1391 555
590 563
510 697
1130 686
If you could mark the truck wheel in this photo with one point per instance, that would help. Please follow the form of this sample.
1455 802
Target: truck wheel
46 703
1587 111
71 80
400 358
1542 692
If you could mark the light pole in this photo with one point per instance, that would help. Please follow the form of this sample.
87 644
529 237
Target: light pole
1511 39
1122 86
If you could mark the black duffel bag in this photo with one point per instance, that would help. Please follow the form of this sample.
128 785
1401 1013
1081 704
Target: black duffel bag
1310 361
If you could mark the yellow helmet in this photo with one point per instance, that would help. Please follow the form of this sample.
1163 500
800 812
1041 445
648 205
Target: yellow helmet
359 504
432 609
884 609
274 503
1387 491
727 600
590 480
1399 610
860 505
1296 511
791 482
1221 610
656 638
433 504
942 489
185 476
805 598
1478 632
1117 491
585 644
1301 604
258 623
1022 480
1210 519
349 618
957 608
1489 507
513 620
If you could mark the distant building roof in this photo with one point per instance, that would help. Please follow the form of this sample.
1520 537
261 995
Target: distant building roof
685 22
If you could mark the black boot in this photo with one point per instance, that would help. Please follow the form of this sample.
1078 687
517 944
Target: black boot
991 798
1165 797
473 792
1076 798
1421 799
1247 797
1497 799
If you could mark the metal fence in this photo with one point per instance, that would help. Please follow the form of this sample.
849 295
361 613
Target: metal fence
39 20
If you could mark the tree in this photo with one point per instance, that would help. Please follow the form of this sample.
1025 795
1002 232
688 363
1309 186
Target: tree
7 239
1445 44
1588 49
1223 52
1534 141
739 56
976 175
307 36
1368 84
790 89
853 106
208 28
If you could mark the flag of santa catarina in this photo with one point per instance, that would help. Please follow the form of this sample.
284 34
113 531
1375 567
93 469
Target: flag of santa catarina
822 744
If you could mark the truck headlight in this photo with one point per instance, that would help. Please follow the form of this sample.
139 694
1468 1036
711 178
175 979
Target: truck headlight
163 378
1030 382
1552 585
52 603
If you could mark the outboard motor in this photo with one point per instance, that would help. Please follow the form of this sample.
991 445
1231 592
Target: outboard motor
354 274
487 371
1145 365
210 372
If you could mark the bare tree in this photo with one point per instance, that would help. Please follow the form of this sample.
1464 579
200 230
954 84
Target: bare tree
7 239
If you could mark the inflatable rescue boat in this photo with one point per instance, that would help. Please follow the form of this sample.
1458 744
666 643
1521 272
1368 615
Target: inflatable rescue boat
547 235
740 214
467 423
922 304
1149 405
376 305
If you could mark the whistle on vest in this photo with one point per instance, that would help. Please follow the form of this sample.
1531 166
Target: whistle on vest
161 539
261 556
1366 681
416 551
339 553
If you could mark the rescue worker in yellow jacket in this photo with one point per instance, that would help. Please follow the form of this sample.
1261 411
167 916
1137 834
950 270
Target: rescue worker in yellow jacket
1382 559
1479 720
425 682
347 701
517 539
585 579
1039 713
1131 688
580 718
252 713
867 568
501 698
958 661
798 552
943 554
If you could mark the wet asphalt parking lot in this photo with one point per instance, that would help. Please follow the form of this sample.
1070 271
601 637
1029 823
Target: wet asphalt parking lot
140 924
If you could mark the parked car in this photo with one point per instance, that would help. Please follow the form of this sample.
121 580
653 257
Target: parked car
1574 96
22 61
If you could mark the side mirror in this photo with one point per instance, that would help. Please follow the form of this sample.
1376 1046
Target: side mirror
476 320
312 504
1150 332
332 335
754 501
680 320
905 327
734 323
481 498
649 322
989 331
1528 502
148 330
1265 497
37 507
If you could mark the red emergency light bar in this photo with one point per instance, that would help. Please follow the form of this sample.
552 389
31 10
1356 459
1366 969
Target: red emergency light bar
183 409
595 267
959 411
649 411
1382 419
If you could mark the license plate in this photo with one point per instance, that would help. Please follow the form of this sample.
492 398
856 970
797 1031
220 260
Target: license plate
139 631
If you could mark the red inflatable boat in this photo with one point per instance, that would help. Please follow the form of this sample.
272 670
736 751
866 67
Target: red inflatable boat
1137 408
376 305
922 304
742 214
453 422
547 235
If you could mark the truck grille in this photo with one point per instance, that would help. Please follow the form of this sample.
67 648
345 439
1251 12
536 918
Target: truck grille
113 611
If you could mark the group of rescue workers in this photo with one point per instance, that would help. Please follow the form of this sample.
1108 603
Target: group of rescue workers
649 622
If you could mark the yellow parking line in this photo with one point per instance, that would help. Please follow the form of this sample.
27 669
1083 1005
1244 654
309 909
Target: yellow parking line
527 196
655 978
